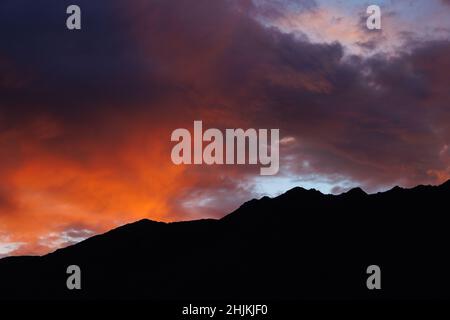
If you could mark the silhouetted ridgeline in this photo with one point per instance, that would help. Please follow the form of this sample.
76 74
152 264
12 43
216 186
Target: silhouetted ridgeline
300 245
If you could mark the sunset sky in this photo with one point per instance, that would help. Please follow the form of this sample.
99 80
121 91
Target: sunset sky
86 116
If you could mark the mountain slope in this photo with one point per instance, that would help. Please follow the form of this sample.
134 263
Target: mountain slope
300 245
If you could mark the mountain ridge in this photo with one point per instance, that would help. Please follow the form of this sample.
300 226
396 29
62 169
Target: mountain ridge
302 244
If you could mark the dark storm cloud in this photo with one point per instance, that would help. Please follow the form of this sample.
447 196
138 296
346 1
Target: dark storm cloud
384 121
73 75
361 117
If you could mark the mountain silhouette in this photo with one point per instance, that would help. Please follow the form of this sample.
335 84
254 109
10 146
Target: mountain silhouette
300 245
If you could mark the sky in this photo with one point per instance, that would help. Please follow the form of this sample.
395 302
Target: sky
86 115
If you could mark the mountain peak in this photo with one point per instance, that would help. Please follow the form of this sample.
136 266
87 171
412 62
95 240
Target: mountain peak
396 189
446 184
356 192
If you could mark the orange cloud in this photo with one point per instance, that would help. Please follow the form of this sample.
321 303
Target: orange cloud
49 190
